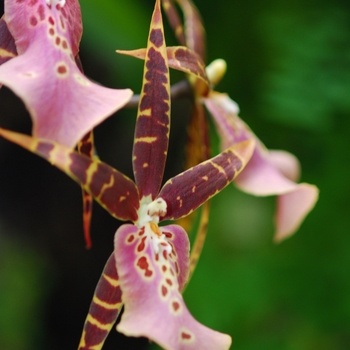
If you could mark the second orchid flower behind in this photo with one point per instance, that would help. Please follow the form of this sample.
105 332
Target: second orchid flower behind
42 70
150 264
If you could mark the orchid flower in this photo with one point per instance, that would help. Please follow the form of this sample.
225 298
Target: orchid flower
150 263
64 105
268 172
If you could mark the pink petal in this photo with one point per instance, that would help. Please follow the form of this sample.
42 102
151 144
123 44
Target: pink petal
150 283
63 104
268 172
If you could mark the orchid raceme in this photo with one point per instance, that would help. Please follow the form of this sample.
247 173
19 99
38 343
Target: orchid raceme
150 263
64 105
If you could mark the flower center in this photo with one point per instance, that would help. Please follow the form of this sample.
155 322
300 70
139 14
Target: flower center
150 211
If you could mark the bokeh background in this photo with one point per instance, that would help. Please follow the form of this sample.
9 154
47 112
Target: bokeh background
289 70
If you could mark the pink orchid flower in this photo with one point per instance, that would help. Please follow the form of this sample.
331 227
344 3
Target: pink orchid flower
268 172
64 105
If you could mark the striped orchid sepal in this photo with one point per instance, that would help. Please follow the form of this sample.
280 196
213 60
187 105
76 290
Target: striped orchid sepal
64 105
187 191
153 117
104 309
113 190
183 59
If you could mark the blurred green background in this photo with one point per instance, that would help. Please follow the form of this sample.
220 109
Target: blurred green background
289 70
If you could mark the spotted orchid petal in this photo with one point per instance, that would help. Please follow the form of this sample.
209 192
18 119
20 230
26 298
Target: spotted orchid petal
113 190
104 309
187 191
153 118
152 264
63 103
268 172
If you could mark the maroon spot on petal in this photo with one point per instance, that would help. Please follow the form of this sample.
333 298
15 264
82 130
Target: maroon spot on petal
131 238
177 268
19 1
157 257
185 336
51 21
176 305
168 280
142 231
168 234
172 272
156 37
142 245
164 291
164 268
61 69
62 22
58 40
33 21
64 44
32 2
165 254
142 263
64 13
164 244
51 31
41 12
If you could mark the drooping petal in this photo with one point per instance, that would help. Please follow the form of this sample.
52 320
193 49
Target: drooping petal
180 58
64 105
110 188
154 306
104 309
187 191
153 118
268 172
86 147
7 43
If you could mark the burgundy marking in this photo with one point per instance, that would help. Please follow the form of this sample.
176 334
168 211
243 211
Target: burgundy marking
176 305
157 257
172 271
170 283
156 37
142 245
33 21
32 2
143 265
185 335
51 20
164 268
168 234
62 22
164 291
177 268
142 231
58 41
51 31
79 166
165 254
44 149
61 70
131 238
41 12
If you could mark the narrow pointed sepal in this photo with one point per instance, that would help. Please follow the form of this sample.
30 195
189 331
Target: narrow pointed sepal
187 191
152 125
110 188
104 309
64 105
180 58
152 264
